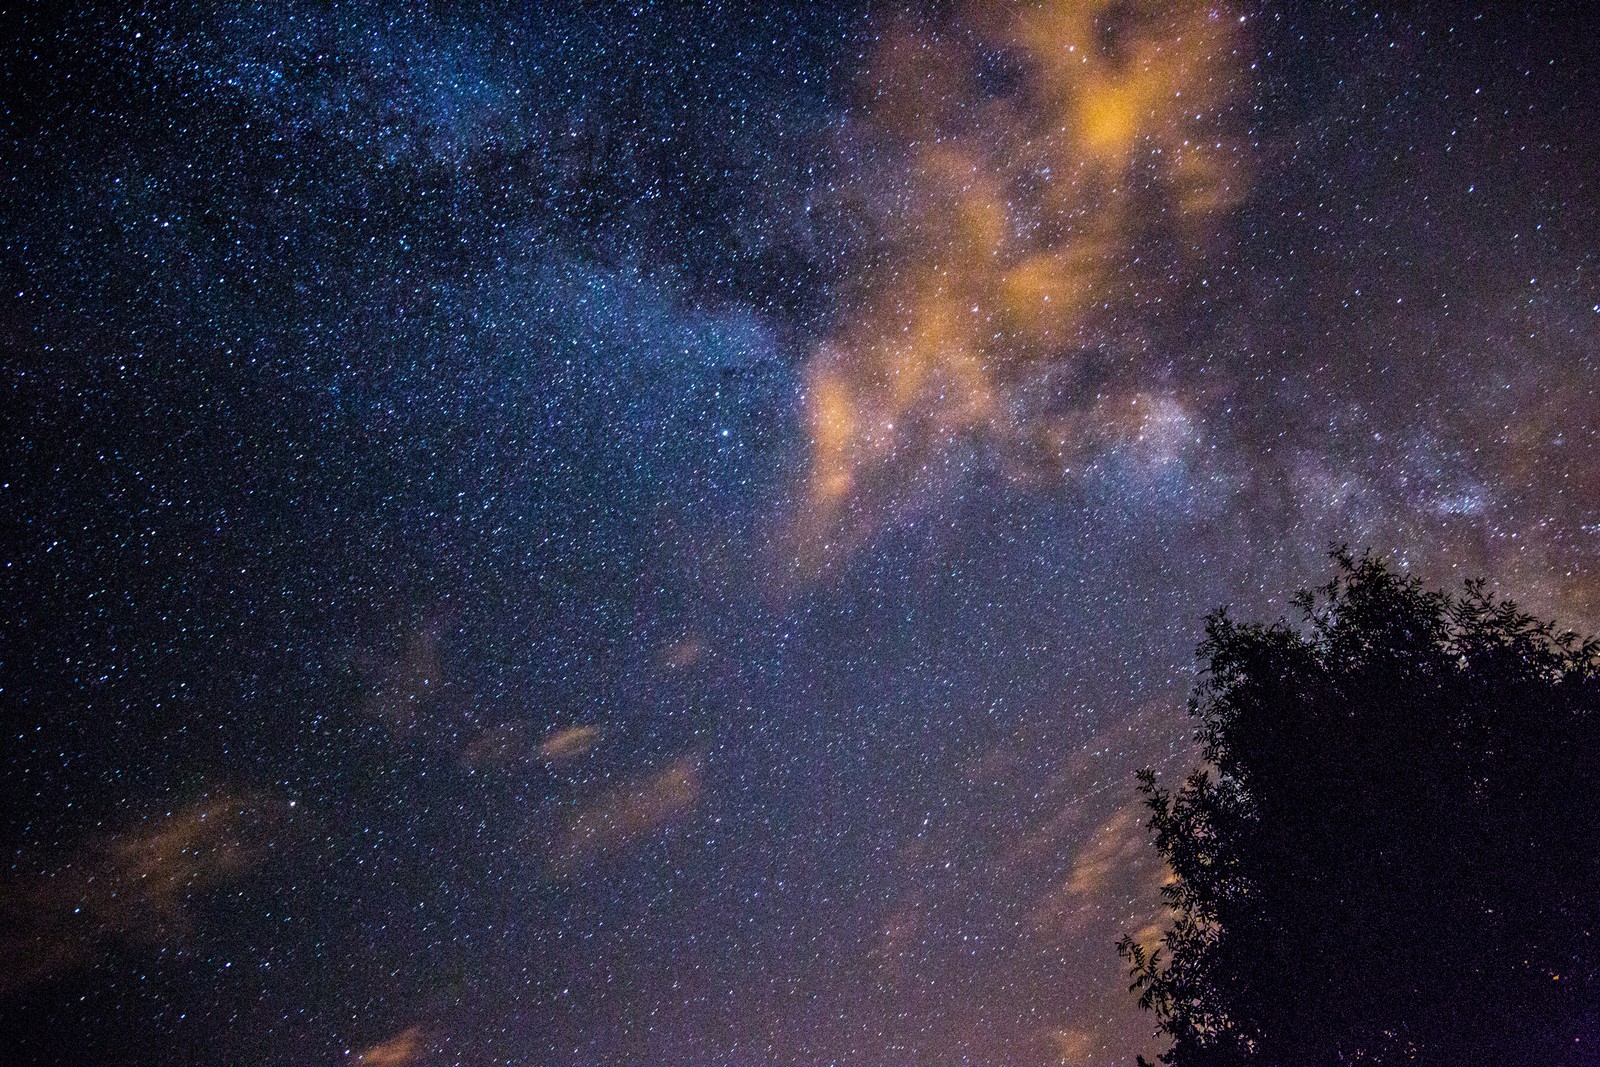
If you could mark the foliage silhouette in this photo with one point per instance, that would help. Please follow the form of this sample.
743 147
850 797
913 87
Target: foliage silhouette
1391 851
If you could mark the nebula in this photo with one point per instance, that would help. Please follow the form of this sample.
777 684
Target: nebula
1038 154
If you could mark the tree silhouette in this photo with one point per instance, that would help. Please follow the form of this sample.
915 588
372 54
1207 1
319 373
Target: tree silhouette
1391 852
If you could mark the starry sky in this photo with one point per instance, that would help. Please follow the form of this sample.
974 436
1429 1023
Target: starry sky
658 534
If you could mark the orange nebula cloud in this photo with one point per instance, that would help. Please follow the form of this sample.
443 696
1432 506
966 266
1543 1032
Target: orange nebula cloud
1118 856
401 1050
630 813
1039 146
1039 851
134 886
569 744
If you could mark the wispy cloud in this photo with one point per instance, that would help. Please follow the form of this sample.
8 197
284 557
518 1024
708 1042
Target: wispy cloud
402 1050
630 814
135 885
1039 153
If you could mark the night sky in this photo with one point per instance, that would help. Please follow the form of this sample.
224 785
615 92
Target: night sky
658 534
